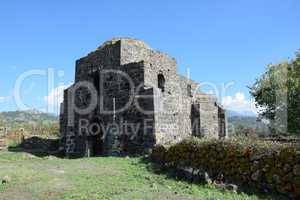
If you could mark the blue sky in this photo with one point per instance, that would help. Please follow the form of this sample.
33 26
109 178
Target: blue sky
220 41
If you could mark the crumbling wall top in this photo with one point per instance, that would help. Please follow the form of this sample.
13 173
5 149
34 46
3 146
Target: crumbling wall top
127 40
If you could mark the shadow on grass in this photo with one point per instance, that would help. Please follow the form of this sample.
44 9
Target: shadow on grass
180 175
37 146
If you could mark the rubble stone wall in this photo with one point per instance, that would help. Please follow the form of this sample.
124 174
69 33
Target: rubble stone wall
261 165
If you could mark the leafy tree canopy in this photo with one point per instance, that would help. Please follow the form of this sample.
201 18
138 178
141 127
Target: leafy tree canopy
277 93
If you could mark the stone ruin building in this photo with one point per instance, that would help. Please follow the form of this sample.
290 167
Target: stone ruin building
128 97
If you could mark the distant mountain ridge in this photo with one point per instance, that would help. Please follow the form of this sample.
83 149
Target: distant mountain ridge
17 118
232 113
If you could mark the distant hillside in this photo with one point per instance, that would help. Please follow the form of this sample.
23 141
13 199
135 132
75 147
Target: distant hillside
19 118
243 120
241 123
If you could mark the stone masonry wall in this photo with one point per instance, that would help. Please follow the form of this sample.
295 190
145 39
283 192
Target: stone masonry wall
249 164
173 102
209 115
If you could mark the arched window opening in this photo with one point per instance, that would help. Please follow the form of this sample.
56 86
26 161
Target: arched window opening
161 82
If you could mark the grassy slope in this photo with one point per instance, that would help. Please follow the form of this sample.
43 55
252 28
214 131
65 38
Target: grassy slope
94 178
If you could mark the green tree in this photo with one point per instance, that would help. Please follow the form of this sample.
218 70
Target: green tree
277 93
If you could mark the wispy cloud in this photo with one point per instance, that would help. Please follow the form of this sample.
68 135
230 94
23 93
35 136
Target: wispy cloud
4 99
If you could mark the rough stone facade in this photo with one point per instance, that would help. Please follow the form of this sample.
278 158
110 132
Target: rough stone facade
128 97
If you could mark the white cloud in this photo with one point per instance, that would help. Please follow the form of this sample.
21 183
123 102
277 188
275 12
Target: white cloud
4 99
211 92
239 103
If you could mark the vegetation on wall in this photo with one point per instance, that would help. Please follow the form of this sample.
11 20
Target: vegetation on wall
266 166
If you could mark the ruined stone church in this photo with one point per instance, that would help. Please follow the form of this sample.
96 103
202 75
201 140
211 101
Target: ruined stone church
128 97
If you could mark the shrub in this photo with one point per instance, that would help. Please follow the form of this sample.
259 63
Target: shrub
14 138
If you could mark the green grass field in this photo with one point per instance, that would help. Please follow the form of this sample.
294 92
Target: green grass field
34 178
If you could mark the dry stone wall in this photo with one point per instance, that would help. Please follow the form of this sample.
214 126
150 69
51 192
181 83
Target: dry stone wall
268 167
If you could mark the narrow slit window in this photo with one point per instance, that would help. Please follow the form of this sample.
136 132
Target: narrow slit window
189 90
161 82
